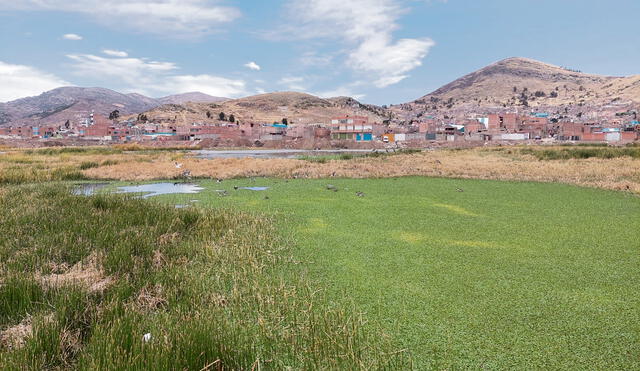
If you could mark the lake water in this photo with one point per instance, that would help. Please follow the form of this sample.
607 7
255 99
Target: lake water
147 190
87 189
255 188
157 189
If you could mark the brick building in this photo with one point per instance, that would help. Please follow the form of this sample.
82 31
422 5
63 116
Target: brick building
354 128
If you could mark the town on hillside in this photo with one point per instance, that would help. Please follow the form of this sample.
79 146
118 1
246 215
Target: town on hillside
345 131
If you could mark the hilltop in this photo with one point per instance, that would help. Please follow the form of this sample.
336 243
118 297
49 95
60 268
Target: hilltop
71 103
521 82
295 107
76 103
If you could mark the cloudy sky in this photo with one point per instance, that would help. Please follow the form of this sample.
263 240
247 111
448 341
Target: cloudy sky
380 51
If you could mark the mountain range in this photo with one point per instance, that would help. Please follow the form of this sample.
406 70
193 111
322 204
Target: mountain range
76 103
514 83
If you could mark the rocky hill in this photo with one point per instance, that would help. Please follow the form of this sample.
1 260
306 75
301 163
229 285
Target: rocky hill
71 103
74 103
514 83
273 107
526 83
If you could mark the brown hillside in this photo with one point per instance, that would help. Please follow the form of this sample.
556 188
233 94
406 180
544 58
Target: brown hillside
297 108
514 81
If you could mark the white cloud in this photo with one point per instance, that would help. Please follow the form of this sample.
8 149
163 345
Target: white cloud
253 66
71 36
208 84
132 71
366 26
152 77
115 53
293 83
175 18
390 61
341 91
23 81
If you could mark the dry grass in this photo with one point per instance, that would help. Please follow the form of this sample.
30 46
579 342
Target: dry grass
617 173
15 337
87 274
621 173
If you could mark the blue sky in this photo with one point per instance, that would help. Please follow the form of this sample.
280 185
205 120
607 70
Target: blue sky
380 51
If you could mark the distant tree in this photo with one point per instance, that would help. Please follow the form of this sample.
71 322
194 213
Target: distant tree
143 118
232 118
222 116
285 121
208 114
515 89
539 94
67 124
114 115
554 94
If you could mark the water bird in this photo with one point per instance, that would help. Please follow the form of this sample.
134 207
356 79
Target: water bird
235 187
331 187
360 194
459 189
178 165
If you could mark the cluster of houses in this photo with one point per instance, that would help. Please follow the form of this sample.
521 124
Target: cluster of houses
340 130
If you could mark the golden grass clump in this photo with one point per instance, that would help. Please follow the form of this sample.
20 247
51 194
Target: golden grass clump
617 173
133 163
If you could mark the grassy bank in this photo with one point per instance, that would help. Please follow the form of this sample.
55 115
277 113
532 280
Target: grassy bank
83 280
582 153
469 274
601 167
322 159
